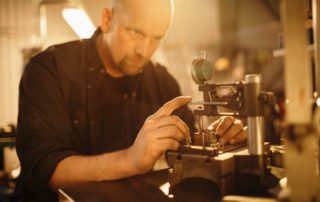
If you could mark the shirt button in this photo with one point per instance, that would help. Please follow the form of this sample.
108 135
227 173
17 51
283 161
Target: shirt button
92 123
75 121
102 71
91 69
89 86
125 96
134 94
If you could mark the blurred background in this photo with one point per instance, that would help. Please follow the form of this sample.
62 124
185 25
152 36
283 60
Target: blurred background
239 36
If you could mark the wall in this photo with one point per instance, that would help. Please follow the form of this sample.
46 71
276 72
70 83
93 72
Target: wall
18 30
211 25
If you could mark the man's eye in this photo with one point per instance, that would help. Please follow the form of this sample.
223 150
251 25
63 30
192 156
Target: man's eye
135 33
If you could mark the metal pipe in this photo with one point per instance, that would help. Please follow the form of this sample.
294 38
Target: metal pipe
253 85
256 135
208 103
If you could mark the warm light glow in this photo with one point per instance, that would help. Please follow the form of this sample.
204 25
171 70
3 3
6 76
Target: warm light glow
15 172
318 102
165 188
79 21
222 64
283 182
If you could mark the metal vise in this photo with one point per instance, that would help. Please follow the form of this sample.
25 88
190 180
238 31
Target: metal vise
233 168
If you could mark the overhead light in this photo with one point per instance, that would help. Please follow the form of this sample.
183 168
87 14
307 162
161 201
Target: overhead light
79 21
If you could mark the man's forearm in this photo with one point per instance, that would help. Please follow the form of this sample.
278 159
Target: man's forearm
160 132
77 169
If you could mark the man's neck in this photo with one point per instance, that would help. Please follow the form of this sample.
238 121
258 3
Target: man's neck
105 56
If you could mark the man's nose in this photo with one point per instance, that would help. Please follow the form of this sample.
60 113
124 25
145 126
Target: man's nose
143 47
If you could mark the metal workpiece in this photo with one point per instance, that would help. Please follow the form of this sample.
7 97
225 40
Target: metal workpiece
209 164
223 167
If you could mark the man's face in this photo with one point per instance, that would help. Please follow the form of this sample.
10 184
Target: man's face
135 33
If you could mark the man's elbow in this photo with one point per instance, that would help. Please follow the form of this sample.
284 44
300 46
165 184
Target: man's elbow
59 178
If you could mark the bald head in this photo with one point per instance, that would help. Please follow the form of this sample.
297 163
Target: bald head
149 8
132 31
119 3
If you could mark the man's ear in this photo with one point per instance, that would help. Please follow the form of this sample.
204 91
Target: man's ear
105 20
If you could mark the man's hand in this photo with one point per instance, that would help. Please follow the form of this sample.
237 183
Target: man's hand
231 130
160 132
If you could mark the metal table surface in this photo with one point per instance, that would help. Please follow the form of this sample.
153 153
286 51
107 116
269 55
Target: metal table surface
139 188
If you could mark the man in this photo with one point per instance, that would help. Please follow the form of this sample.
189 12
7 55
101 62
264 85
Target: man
91 110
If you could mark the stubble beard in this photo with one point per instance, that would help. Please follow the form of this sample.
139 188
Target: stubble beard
129 68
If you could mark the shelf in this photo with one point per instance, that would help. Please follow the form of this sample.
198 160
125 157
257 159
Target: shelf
7 141
282 52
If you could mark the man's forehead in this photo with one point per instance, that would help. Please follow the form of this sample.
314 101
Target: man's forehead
152 16
156 5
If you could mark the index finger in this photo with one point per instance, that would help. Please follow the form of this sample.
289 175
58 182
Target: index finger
225 124
170 106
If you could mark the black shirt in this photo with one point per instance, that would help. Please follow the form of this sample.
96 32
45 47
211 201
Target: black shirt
115 111
68 106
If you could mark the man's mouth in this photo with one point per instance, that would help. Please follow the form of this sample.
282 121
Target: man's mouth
136 60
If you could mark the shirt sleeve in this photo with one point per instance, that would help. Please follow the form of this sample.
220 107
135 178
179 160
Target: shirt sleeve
44 135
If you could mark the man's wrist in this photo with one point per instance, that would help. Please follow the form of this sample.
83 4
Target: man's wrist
129 162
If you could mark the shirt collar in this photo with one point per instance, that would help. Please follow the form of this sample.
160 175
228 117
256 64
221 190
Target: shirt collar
96 61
